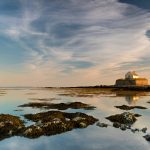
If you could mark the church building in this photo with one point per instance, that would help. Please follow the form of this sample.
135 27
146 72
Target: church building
132 79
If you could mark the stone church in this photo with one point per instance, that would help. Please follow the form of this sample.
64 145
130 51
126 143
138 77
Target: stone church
132 79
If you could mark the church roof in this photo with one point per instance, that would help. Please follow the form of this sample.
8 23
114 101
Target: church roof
133 73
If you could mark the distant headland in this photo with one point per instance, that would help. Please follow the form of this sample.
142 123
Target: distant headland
131 82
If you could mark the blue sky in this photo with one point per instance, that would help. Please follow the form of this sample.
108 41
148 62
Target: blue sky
73 42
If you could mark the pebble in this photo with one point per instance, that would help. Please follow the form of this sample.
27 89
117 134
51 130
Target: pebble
83 125
116 124
77 118
147 137
103 125
144 130
123 127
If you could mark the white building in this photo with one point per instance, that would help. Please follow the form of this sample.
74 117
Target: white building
131 75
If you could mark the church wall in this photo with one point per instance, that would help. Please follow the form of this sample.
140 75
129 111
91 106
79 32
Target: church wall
130 82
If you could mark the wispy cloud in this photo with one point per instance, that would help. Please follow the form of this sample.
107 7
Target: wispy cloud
77 42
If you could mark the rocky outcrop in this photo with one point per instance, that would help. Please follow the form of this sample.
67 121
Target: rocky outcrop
46 123
55 122
103 125
124 118
125 107
60 106
10 125
147 137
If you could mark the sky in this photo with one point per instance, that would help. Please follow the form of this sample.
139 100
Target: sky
73 42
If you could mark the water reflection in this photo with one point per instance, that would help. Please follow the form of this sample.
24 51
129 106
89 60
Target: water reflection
131 97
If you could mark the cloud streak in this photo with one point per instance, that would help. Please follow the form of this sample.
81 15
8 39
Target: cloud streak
69 43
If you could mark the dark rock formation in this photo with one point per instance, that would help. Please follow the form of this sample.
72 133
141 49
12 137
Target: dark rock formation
55 122
144 130
46 123
124 118
125 107
147 137
60 106
103 125
116 125
10 125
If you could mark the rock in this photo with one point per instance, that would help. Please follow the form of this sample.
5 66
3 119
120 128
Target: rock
128 126
54 122
10 132
33 132
2 124
144 130
135 130
123 127
11 120
77 119
137 115
90 108
10 125
124 118
103 125
82 125
116 125
46 123
39 123
147 137
59 106
125 107
67 119
27 131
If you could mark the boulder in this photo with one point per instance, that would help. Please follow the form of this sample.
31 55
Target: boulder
103 125
147 137
10 125
124 118
125 107
59 106
55 122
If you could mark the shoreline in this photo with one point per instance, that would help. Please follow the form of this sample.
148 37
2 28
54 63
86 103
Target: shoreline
110 87
103 87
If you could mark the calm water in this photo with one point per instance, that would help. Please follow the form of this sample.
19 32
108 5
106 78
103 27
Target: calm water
91 138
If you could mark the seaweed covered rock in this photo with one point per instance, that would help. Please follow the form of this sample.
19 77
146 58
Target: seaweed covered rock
46 123
55 122
33 131
124 118
14 120
147 137
144 130
59 106
125 107
103 125
116 124
10 125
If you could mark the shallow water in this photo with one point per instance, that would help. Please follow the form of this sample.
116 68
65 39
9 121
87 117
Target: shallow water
91 138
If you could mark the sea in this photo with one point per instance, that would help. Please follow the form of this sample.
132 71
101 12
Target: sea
91 138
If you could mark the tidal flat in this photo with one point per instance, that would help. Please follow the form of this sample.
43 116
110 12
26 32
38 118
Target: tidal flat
74 118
